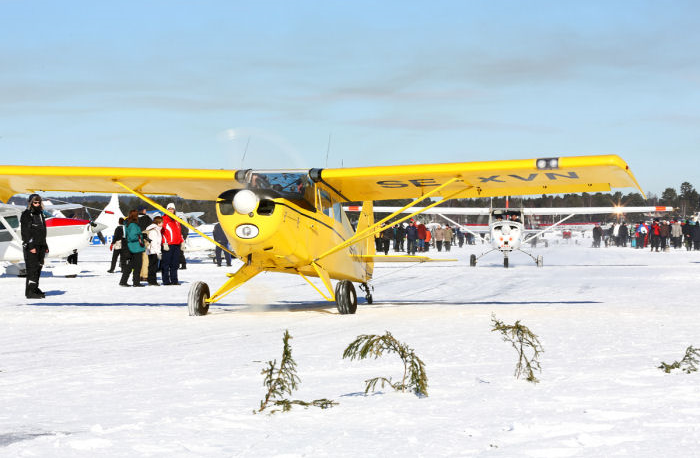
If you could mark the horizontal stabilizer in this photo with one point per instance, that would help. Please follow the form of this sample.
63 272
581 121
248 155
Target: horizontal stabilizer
398 258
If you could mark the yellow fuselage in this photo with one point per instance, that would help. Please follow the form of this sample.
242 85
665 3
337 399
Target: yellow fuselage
284 237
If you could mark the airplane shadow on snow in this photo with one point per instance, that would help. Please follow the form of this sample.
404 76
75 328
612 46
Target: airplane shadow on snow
298 306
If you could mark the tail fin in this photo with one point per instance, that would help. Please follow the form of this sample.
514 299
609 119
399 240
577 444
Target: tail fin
366 246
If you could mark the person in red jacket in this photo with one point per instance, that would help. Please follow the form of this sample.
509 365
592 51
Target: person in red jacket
172 241
655 233
421 236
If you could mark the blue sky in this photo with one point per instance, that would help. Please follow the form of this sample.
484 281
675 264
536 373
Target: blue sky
191 83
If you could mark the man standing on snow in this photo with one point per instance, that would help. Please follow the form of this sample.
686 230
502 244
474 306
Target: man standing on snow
33 228
172 240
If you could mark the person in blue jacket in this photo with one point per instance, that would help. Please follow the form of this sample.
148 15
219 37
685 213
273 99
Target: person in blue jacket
133 237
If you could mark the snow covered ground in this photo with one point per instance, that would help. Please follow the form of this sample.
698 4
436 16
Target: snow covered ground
99 370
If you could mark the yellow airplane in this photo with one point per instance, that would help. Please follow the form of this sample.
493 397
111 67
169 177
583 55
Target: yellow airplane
292 221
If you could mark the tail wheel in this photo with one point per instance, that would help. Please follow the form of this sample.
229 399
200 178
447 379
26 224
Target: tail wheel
196 301
367 289
505 262
345 297
472 260
539 261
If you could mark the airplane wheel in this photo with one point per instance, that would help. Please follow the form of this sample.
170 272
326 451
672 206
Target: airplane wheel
196 304
505 262
369 298
345 297
472 260
539 261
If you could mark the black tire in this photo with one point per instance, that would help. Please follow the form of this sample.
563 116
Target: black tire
196 304
505 262
369 298
472 260
345 297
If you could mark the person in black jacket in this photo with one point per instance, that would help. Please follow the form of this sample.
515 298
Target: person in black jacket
220 236
33 228
184 230
411 238
116 246
399 236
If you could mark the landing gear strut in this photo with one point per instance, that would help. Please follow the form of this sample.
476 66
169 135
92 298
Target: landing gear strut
367 289
196 301
345 297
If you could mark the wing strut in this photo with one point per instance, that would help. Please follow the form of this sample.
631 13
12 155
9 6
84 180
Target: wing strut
376 227
325 278
175 217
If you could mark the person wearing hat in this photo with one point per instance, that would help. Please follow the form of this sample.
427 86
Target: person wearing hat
33 228
172 239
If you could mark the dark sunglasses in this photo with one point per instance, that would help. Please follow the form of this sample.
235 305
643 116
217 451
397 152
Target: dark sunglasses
36 201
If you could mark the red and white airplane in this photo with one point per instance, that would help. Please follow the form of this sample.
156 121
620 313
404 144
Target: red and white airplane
64 236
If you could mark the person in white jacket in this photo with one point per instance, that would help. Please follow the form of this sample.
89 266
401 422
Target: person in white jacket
153 248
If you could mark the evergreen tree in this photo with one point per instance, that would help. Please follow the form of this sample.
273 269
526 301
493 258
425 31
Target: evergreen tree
523 341
688 364
669 197
283 381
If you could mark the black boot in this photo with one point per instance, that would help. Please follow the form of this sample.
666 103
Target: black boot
32 294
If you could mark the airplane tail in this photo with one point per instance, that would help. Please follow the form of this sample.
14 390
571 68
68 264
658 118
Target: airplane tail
109 217
366 246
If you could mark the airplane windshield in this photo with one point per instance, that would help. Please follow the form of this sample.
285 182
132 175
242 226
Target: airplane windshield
294 186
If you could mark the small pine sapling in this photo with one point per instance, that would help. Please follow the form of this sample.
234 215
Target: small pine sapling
688 364
414 376
522 339
283 381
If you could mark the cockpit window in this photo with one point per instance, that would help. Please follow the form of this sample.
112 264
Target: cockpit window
13 221
296 187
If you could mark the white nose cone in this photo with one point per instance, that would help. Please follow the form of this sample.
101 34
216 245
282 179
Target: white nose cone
245 202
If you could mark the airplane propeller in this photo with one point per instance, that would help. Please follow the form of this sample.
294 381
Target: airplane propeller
96 228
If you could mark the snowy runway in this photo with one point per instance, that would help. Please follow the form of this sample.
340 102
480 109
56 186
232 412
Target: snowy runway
99 370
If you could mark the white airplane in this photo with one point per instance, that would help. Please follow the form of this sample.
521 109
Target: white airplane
195 241
506 225
109 217
64 236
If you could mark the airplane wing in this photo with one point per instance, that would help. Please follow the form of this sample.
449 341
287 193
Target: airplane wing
7 209
593 210
471 179
199 184
481 211
469 211
480 179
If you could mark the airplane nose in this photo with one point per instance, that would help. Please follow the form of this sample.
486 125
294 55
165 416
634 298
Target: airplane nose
245 201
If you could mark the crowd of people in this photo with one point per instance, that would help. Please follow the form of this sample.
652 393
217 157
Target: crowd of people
415 237
657 235
147 246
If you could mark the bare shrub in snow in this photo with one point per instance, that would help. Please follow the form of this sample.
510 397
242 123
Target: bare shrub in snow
524 341
414 376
